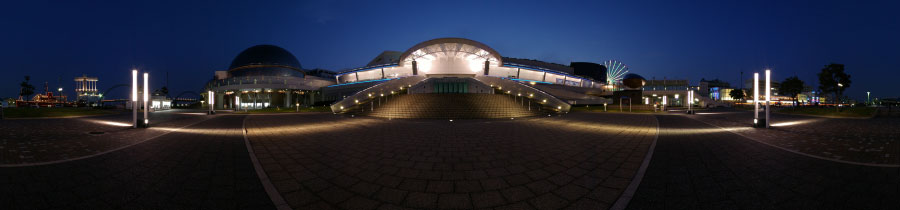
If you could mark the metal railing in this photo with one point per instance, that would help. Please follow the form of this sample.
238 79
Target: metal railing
378 90
246 80
514 87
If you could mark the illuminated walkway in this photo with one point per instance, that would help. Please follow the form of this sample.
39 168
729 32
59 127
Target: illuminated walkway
42 141
872 141
722 170
577 161
204 166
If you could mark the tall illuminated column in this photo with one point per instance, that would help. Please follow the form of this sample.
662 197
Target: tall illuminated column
755 98
134 97
146 98
690 100
211 102
237 102
768 95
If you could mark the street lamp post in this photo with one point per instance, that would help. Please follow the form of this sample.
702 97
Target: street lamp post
211 96
867 97
665 98
134 97
768 95
690 101
755 99
146 98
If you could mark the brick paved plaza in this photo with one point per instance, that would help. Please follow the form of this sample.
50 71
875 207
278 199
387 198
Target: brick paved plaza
722 170
205 166
870 141
327 161
578 161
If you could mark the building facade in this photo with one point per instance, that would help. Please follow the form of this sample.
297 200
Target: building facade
264 76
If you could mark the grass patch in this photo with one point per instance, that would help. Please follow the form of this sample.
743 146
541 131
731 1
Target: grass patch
829 111
54 112
288 110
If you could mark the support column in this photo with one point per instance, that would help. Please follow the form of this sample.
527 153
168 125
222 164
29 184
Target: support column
415 68
287 99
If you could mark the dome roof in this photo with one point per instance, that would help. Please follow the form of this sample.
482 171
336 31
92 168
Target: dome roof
265 60
265 55
633 81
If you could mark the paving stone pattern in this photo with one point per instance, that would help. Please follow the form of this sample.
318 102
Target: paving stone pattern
576 161
25 141
722 170
875 140
205 166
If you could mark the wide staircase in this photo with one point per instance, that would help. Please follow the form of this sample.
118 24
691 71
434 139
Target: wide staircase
452 106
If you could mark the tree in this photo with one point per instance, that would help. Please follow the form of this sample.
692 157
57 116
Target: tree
834 80
27 89
792 86
737 94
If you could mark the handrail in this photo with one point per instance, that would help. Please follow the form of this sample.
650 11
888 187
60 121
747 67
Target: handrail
506 84
381 88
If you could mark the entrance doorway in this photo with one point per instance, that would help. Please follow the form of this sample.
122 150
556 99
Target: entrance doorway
451 87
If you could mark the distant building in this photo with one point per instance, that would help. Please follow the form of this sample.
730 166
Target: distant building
715 89
46 99
266 76
86 90
666 84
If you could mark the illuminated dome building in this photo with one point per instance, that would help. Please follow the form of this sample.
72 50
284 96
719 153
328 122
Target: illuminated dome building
265 76
459 66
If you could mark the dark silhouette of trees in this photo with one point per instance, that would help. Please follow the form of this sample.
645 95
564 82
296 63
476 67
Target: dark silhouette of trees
26 88
792 86
737 94
834 80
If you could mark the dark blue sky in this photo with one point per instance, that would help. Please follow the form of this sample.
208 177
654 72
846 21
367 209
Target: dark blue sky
672 39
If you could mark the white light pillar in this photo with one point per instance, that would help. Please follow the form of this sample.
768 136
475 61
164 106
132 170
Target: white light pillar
211 102
755 98
867 98
768 95
237 102
146 98
690 100
134 97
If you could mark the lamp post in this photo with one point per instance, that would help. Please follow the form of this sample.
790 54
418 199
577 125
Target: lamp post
837 101
768 95
134 97
146 98
211 96
665 98
867 97
690 101
237 102
755 99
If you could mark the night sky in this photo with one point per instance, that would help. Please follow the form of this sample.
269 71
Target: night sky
685 40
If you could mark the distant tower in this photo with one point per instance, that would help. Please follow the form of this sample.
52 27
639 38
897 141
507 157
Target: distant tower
86 89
